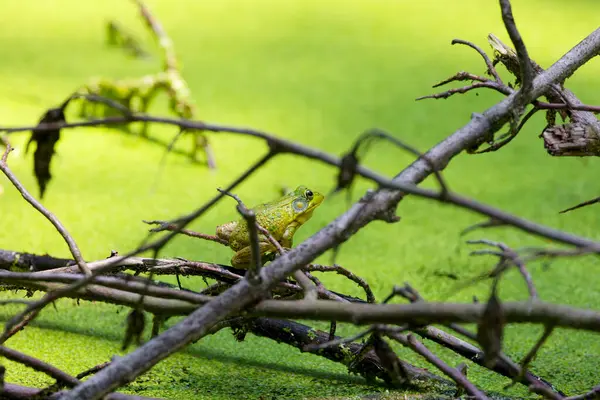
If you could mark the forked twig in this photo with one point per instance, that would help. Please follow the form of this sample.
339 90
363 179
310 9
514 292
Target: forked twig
491 69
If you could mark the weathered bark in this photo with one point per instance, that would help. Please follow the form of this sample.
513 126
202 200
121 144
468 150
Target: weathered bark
581 137
369 365
577 139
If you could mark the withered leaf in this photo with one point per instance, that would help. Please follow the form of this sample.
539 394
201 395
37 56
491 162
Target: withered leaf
135 327
45 141
347 170
490 330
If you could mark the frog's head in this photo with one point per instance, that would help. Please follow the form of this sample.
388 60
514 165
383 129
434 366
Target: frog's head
303 201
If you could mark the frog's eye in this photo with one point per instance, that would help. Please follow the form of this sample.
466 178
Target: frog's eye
309 194
299 205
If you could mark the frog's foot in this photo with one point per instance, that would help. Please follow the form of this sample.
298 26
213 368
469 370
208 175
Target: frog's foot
243 258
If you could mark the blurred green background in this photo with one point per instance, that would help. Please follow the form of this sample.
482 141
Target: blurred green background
319 73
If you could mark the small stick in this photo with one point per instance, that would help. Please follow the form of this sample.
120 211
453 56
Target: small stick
168 226
250 218
527 73
49 216
491 69
459 378
39 365
344 272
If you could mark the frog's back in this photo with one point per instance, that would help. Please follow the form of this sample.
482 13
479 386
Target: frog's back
274 217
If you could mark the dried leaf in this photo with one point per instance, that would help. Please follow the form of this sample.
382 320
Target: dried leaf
135 327
45 141
347 171
490 330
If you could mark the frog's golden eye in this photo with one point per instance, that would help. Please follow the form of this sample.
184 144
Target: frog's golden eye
299 205
309 194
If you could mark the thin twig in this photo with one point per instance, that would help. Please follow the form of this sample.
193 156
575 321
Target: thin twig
561 106
337 342
527 73
344 272
381 134
491 223
419 348
524 364
508 254
545 391
93 370
462 76
252 225
490 66
593 394
504 366
461 90
512 133
42 210
167 226
581 205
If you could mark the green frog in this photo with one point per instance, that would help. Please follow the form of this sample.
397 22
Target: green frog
281 218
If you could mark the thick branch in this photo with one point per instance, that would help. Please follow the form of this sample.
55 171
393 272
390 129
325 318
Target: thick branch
39 365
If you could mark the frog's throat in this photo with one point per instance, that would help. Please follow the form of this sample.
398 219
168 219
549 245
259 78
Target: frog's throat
305 216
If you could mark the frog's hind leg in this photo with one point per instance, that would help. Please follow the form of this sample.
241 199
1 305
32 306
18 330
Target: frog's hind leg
243 258
224 231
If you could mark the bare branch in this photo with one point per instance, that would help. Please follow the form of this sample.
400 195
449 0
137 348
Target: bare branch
167 226
527 73
422 313
580 205
561 106
508 254
461 90
591 395
548 329
462 76
504 365
42 210
491 70
491 223
339 341
419 348
39 365
348 274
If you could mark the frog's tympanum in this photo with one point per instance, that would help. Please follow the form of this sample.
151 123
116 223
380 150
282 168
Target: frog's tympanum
281 218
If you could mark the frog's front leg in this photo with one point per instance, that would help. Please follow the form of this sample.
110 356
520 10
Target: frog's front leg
288 236
243 258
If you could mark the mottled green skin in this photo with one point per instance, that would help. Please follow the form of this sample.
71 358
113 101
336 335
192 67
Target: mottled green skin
281 218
